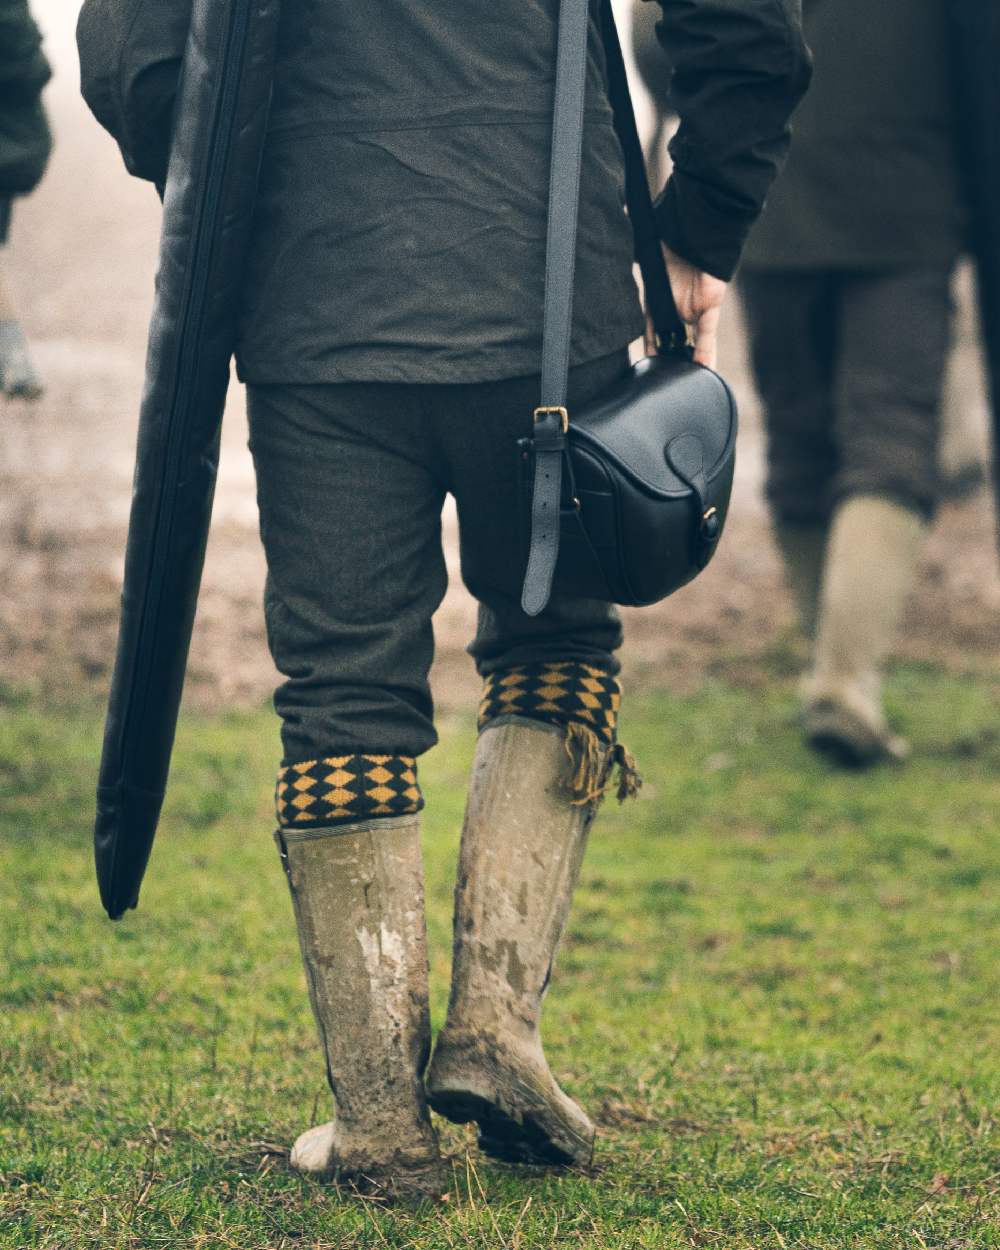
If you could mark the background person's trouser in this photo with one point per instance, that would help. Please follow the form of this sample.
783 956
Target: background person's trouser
850 368
351 480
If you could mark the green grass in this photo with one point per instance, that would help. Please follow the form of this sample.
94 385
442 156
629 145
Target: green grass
779 996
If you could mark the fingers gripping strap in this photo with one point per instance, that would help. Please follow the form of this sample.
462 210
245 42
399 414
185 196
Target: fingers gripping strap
347 788
560 257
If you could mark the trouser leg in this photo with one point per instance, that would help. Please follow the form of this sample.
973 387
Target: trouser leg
894 340
560 667
894 334
793 324
548 724
480 427
792 320
350 512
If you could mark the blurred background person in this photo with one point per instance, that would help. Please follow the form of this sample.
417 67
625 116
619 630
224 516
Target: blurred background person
846 285
847 290
25 143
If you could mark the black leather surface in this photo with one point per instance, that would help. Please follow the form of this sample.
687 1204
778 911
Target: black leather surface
666 398
651 463
130 56
206 220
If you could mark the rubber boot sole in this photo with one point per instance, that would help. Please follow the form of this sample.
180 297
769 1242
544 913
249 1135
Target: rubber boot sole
847 740
500 1135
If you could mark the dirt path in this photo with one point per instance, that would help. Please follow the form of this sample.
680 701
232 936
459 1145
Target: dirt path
82 259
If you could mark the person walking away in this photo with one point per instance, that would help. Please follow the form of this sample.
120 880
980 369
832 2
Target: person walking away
962 454
25 143
390 342
846 283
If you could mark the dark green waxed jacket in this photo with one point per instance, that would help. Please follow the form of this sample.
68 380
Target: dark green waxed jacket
130 60
739 68
25 141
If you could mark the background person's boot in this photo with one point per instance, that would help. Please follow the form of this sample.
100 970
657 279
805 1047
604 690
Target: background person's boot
961 455
803 546
522 846
18 378
964 444
358 896
870 563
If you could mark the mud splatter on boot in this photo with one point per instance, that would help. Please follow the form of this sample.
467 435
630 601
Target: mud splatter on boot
522 845
357 890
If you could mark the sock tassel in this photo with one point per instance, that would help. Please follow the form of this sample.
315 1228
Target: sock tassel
593 763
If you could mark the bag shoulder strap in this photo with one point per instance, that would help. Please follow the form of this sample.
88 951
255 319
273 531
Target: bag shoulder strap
551 418
670 328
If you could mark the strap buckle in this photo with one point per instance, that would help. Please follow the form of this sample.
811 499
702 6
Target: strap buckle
546 410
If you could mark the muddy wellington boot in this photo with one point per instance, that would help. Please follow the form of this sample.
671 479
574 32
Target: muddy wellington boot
357 891
522 846
870 564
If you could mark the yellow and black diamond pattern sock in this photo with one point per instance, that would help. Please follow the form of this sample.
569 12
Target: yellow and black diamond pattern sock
342 789
563 693
582 699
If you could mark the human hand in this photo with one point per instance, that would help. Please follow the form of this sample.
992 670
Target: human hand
698 296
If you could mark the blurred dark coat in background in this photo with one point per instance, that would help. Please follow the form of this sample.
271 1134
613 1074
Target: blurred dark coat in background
872 181
846 277
25 141
130 61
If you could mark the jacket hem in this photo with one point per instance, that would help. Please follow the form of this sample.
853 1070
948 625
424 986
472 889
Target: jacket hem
428 368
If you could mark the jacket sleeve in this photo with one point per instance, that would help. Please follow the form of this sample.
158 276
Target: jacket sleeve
130 60
739 69
25 139
24 71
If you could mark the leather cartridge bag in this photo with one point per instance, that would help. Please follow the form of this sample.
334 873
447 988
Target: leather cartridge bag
629 493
